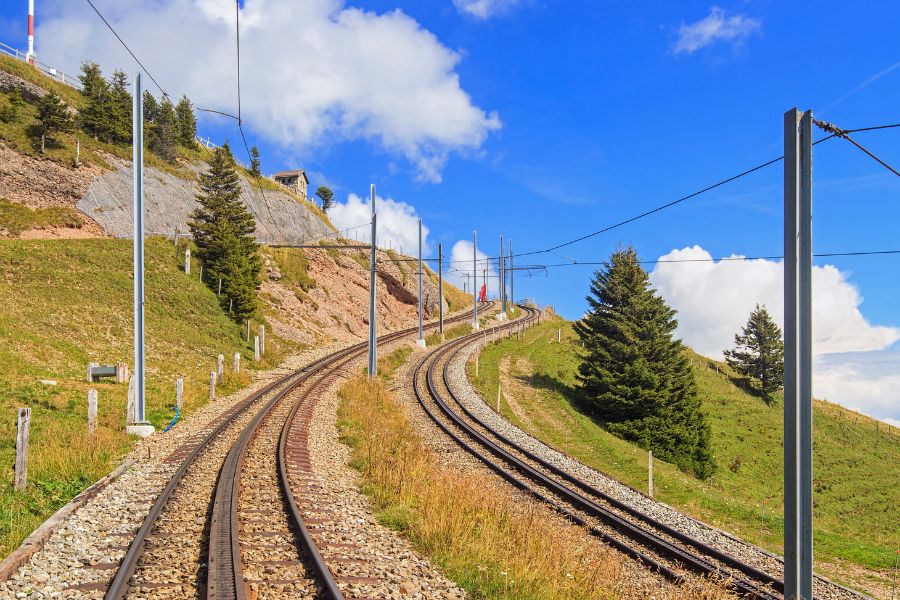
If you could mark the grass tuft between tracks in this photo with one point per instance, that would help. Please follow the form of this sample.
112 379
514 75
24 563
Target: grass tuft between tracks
489 540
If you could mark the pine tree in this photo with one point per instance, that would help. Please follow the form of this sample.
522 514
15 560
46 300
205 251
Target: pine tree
326 196
636 378
95 116
223 232
151 117
255 163
10 111
120 108
53 117
186 123
165 136
759 352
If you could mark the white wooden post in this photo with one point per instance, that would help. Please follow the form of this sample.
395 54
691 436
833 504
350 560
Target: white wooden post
650 472
262 339
498 397
92 411
220 366
212 385
476 366
559 336
248 330
187 261
237 362
255 348
23 425
179 394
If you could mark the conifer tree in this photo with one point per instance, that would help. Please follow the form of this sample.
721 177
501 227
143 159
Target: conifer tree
326 196
151 117
223 232
53 117
10 111
165 136
636 378
759 352
255 163
186 123
120 108
95 116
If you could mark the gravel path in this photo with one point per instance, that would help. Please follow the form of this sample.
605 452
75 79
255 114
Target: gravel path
86 549
655 509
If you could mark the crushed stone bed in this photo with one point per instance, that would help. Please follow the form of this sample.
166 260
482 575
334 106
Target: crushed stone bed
652 508
87 547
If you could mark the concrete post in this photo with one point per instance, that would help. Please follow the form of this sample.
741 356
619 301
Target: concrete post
237 363
23 428
130 410
262 340
255 348
179 394
92 411
212 385
220 366
187 261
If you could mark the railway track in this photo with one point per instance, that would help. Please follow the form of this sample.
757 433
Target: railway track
656 544
255 533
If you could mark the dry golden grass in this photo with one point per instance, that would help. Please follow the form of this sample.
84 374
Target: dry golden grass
488 539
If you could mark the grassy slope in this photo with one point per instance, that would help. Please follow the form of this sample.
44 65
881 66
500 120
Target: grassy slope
856 479
64 303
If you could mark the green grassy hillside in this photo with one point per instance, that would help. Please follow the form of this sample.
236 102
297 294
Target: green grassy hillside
856 474
65 303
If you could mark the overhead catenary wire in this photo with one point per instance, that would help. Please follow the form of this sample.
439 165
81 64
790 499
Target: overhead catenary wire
838 132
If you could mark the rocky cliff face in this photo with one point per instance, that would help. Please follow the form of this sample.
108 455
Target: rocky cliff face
169 201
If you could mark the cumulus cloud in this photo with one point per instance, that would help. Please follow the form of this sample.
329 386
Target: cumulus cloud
868 382
714 299
313 72
461 268
398 223
484 9
852 363
718 26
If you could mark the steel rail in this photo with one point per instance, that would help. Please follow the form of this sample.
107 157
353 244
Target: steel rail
635 532
119 586
721 556
225 570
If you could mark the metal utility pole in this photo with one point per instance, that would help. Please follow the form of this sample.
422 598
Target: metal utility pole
421 338
511 274
484 278
140 426
501 263
475 324
373 349
798 543
440 290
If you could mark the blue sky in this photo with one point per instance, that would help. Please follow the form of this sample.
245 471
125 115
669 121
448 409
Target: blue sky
543 121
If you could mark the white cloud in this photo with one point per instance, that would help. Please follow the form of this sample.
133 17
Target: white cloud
717 26
398 223
461 266
484 9
714 299
313 72
868 382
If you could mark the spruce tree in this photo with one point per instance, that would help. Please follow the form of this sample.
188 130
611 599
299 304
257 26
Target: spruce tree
636 377
759 352
165 136
10 111
95 116
326 196
223 232
120 108
186 123
151 117
255 163
53 117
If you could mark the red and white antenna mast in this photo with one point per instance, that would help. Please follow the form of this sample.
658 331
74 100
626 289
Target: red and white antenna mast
30 56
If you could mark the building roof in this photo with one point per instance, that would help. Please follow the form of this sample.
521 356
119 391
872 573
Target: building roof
292 174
